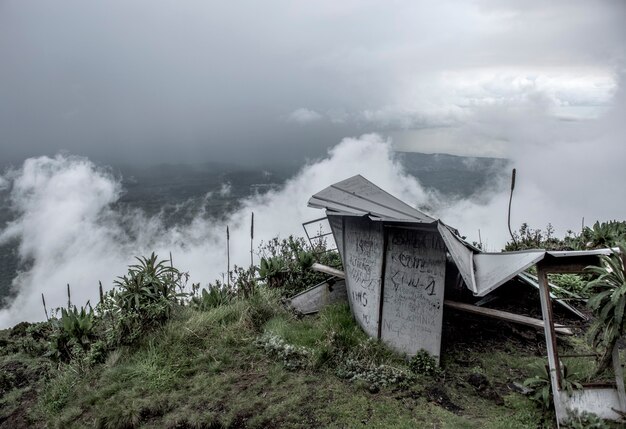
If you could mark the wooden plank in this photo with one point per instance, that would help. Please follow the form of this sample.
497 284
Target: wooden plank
328 270
413 293
504 315
362 259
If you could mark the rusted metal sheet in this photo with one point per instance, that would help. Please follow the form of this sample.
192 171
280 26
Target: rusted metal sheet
359 196
314 299
494 269
462 256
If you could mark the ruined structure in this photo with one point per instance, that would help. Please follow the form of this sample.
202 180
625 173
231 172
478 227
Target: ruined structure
399 263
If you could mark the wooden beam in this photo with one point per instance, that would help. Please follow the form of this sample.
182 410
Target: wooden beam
504 315
328 270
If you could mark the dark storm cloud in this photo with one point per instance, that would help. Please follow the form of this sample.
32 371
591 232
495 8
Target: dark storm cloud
145 81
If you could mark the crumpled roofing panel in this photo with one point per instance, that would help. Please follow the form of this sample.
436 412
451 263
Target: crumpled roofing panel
482 272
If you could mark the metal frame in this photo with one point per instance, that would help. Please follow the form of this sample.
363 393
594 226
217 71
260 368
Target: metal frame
607 402
319 236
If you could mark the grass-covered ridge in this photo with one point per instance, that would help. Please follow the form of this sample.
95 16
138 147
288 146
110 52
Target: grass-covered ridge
251 363
155 353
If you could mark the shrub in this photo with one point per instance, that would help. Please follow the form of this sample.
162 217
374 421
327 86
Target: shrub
286 263
608 302
424 363
540 385
216 296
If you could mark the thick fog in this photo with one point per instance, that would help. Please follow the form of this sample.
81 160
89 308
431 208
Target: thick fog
338 84
141 81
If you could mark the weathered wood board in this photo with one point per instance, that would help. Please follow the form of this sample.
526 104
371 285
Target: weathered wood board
314 299
362 257
413 291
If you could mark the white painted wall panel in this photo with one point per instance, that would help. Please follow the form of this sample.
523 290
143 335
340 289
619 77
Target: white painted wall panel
414 291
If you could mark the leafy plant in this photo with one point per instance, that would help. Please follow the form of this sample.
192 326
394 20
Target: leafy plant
573 283
78 325
216 295
586 421
149 281
605 234
540 385
424 363
286 263
608 302
243 281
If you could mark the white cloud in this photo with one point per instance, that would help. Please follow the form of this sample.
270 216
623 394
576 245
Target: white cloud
304 116
68 228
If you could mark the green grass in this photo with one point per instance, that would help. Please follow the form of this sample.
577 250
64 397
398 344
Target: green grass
210 369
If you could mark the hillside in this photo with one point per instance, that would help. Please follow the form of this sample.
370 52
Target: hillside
253 364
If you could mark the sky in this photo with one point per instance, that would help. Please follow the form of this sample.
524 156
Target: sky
144 81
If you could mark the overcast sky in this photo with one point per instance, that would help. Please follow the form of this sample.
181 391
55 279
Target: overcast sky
196 80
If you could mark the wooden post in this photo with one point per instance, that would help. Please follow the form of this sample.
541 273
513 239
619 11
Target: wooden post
619 378
227 257
548 328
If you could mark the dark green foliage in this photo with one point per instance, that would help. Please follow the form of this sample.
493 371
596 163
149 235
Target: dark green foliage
528 238
570 284
78 325
540 386
424 363
286 263
149 282
600 235
608 302
605 234
143 299
243 281
73 334
586 421
274 271
217 295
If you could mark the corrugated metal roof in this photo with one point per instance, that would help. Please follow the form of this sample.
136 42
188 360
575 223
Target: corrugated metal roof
461 254
481 272
574 253
494 269
359 196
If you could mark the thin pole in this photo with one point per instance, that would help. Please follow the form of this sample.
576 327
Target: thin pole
227 256
510 200
171 261
251 241
69 299
43 299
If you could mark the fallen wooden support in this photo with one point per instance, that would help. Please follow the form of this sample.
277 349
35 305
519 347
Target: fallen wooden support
506 316
328 270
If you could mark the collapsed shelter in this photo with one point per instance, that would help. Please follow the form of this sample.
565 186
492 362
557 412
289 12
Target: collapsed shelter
399 265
